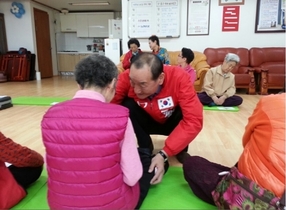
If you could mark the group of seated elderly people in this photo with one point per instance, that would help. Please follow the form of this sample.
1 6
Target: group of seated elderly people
219 83
98 146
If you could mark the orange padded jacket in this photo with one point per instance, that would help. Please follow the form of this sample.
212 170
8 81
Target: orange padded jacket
263 157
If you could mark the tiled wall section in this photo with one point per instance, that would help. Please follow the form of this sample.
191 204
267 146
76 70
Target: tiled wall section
69 41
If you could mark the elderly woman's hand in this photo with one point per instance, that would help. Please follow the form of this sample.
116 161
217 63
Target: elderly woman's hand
215 99
221 100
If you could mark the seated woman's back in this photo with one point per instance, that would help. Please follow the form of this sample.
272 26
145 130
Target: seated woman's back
85 140
263 157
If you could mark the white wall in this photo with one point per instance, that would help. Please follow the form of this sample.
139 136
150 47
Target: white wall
244 37
18 30
21 31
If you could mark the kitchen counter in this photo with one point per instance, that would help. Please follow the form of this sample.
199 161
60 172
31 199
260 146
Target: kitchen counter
87 52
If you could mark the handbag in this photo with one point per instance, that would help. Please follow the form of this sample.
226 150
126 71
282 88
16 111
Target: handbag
237 192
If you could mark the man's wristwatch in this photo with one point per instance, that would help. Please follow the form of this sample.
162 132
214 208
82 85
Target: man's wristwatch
163 155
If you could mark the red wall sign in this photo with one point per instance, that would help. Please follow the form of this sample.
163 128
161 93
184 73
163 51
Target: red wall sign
230 18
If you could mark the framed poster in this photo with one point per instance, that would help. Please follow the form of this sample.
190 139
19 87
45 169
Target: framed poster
230 2
198 17
270 16
230 18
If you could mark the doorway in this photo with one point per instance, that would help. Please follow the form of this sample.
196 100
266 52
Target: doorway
43 41
3 40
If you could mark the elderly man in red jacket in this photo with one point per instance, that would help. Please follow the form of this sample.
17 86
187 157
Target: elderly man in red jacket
161 100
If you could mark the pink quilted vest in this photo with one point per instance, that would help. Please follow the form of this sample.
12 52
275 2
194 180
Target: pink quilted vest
82 139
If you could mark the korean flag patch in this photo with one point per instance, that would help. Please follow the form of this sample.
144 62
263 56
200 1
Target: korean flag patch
165 103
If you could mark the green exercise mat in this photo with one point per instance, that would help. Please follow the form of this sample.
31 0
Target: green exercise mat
37 101
222 108
172 193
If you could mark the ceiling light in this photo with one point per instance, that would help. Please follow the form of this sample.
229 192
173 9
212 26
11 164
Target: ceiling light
90 4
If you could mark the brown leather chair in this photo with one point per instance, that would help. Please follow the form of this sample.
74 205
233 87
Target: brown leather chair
244 74
269 63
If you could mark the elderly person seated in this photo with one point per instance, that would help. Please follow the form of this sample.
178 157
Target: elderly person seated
24 167
184 59
161 52
133 45
219 84
262 159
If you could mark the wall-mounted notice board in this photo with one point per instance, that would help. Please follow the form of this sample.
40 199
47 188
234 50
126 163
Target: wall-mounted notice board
154 17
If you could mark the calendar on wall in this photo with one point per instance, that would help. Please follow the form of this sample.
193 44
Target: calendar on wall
154 17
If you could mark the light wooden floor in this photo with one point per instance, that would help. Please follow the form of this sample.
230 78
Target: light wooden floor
219 140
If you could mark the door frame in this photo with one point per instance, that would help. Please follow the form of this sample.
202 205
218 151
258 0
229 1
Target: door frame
53 30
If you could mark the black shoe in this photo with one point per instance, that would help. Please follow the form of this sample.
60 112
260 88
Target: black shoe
182 156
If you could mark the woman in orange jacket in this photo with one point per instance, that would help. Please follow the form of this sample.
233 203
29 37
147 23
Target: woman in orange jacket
263 156
25 167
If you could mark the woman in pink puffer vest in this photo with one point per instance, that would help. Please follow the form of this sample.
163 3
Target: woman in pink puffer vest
91 152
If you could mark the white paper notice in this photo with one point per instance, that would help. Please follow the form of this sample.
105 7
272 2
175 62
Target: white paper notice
114 46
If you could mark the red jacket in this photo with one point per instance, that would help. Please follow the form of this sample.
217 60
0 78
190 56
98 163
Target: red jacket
10 191
177 90
126 61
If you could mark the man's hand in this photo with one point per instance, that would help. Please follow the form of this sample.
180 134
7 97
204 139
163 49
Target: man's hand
221 100
158 163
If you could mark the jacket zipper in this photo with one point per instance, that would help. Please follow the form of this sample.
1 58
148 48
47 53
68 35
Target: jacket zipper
263 199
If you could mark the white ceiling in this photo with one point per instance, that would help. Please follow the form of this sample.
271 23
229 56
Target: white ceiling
114 6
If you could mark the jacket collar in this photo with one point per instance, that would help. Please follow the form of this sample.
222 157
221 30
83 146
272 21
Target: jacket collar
219 71
89 94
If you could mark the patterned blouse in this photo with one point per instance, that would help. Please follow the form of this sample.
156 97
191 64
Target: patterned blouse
163 55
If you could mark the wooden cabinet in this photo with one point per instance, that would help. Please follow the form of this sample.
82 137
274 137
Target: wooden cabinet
67 62
82 25
68 22
93 25
16 67
98 24
81 56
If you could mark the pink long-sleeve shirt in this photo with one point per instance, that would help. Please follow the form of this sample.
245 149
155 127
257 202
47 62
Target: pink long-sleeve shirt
191 71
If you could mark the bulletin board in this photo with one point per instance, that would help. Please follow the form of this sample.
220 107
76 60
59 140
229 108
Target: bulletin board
154 17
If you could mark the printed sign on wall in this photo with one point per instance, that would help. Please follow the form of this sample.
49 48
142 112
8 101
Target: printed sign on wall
230 18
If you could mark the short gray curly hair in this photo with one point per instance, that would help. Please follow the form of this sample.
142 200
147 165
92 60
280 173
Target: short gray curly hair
232 57
95 71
